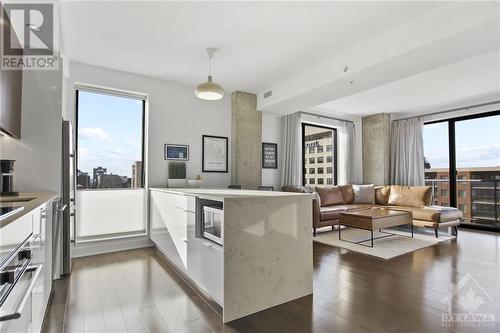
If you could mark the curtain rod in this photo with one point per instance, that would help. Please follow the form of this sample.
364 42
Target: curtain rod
320 116
451 110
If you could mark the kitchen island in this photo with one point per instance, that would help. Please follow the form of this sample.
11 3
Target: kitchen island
259 257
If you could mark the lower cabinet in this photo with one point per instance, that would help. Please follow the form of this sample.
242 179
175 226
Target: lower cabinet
173 230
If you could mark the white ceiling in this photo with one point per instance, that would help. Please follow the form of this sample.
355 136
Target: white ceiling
294 48
261 43
461 82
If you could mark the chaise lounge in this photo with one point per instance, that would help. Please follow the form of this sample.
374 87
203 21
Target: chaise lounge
330 201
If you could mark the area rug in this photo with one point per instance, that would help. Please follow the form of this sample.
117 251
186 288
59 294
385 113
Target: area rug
385 248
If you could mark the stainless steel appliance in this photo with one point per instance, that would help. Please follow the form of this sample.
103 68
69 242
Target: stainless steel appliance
8 211
7 178
65 221
213 224
18 278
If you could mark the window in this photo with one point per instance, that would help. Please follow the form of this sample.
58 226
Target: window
311 150
110 198
312 171
329 181
312 160
320 181
319 137
459 151
311 181
463 208
110 141
444 192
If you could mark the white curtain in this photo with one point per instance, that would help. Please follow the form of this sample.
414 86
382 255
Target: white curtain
346 134
407 152
291 151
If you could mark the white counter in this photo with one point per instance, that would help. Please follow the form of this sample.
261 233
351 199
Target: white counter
266 259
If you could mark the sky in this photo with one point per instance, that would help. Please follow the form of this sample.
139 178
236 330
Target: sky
477 142
109 133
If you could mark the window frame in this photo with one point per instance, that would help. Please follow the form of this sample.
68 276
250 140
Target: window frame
453 174
334 151
116 93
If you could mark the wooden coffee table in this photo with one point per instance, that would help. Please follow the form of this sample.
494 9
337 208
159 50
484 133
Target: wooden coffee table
373 219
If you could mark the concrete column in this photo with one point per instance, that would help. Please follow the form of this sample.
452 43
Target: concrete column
376 149
246 140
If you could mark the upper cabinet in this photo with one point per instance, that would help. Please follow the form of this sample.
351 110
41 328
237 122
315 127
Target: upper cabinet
11 83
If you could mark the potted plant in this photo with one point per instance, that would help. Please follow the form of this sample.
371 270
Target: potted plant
177 174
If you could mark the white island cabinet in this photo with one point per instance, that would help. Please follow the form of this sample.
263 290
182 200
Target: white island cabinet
261 257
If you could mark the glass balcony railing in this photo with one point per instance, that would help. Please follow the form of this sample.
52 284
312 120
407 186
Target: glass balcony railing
478 199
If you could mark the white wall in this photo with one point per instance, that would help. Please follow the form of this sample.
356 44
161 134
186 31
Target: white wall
38 152
175 116
271 132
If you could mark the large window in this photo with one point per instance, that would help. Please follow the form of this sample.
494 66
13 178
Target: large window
462 164
314 139
110 141
111 201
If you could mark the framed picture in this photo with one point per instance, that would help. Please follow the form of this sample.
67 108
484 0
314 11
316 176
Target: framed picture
214 153
176 152
269 155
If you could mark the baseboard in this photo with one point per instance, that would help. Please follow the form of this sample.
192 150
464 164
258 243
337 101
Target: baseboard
110 245
204 296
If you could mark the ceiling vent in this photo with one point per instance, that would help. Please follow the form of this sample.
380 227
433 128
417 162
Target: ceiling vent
268 94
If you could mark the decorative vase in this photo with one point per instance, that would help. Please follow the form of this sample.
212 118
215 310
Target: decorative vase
195 183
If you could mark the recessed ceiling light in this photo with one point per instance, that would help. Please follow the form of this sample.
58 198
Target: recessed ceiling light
346 68
33 27
351 82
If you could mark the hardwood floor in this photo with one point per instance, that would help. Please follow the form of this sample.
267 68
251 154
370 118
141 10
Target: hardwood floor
134 291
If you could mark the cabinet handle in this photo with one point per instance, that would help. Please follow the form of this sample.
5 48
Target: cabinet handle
184 240
17 313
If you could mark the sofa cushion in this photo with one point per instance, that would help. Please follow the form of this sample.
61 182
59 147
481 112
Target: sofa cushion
412 196
295 188
382 195
418 213
429 214
330 195
347 193
331 212
364 194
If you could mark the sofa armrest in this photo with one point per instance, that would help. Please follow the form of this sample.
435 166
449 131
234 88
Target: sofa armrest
316 213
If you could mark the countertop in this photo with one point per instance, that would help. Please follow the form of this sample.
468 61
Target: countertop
223 193
29 200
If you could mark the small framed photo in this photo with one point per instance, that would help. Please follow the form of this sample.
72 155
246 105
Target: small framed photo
214 154
176 152
269 155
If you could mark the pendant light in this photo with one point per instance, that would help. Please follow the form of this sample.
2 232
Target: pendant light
209 90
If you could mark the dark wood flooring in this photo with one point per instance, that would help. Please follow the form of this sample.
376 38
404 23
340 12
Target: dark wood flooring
134 291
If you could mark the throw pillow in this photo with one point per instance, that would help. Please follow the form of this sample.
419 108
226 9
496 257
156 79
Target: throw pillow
364 194
382 195
412 196
347 193
330 196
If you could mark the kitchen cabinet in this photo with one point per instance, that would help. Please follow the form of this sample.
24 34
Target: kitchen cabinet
35 284
173 230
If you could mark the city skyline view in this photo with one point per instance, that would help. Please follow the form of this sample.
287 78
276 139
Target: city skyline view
109 132
472 150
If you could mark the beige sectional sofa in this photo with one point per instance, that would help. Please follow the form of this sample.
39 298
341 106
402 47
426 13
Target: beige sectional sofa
330 201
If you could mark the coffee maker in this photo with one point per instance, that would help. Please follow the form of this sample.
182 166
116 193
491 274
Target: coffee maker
7 178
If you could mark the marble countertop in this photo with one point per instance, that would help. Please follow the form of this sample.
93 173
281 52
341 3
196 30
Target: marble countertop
224 193
29 200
